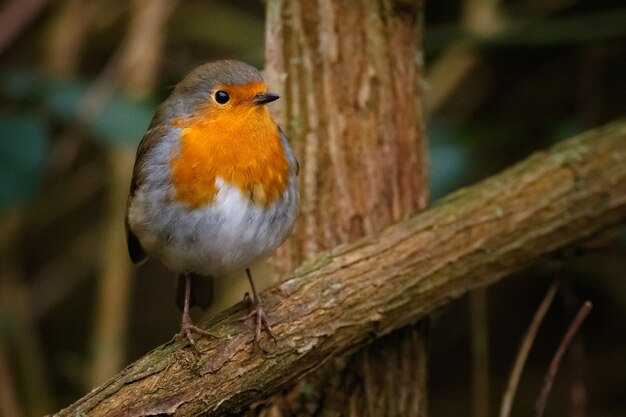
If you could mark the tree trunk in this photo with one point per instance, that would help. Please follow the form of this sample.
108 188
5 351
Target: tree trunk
349 77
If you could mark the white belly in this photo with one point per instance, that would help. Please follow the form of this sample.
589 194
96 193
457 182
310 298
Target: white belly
229 235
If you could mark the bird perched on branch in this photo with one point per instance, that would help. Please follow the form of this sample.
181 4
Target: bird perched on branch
214 188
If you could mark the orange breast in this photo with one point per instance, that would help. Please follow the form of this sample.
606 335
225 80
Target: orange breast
241 145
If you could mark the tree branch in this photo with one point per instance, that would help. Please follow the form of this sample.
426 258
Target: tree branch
352 294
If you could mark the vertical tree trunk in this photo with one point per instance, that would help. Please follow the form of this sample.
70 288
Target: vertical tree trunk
349 72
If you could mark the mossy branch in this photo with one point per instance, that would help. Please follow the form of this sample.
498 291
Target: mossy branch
352 294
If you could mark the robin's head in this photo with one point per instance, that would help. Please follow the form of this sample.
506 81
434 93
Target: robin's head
226 132
220 88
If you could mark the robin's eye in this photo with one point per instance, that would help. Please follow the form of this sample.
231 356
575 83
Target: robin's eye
222 97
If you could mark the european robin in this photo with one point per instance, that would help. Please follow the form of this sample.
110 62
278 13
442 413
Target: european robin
214 188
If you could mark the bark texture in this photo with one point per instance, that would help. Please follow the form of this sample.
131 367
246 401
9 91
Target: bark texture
347 297
349 77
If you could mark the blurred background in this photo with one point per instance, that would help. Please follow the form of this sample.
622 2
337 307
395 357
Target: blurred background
79 82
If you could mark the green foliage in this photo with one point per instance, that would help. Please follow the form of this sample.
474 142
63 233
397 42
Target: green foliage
22 152
121 121
450 159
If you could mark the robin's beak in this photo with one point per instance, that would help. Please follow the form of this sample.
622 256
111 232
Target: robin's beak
264 98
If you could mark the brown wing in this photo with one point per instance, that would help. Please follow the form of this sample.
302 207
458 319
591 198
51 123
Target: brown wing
155 131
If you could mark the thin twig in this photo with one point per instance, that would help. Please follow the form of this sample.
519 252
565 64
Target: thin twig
556 360
524 349
578 390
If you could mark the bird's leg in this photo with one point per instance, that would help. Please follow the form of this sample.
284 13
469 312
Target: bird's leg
256 311
186 326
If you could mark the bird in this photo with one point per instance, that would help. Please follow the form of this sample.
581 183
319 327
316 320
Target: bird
214 187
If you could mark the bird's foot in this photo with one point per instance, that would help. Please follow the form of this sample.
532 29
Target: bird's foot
187 329
260 319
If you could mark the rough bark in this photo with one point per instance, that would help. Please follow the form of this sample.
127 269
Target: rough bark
349 77
349 296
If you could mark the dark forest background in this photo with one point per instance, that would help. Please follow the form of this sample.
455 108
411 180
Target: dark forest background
79 84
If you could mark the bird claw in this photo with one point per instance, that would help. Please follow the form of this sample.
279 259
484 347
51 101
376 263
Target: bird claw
187 328
260 319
